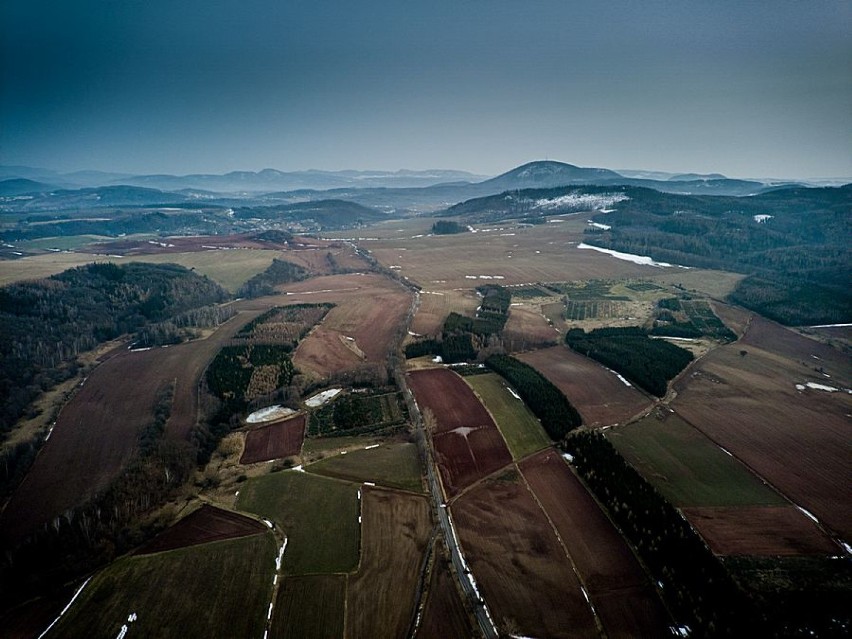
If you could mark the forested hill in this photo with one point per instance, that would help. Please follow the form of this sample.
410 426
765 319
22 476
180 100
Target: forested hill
795 244
47 323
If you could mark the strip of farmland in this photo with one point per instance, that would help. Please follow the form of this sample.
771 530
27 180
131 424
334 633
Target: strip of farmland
520 566
620 590
381 596
467 444
310 606
281 439
444 614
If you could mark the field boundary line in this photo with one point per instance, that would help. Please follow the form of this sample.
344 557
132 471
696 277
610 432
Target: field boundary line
568 556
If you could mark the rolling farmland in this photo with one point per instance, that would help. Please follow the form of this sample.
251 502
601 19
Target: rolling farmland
750 405
177 594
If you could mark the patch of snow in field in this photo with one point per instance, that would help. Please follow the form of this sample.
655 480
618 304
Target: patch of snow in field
269 413
437 359
760 219
620 377
299 468
568 457
676 339
846 547
268 523
822 387
808 514
604 227
371 447
464 431
139 350
831 326
321 398
65 609
642 260
49 433
470 277
280 556
514 394
725 451
413 334
580 201
369 483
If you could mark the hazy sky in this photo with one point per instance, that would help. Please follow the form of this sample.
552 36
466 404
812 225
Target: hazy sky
744 87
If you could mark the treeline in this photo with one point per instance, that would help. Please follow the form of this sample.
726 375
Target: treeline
184 326
548 403
318 214
196 223
48 323
464 338
447 227
696 586
279 272
649 363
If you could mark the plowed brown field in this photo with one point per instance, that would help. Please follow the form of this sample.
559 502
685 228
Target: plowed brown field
798 440
519 565
760 530
281 439
202 526
395 533
620 590
599 396
467 444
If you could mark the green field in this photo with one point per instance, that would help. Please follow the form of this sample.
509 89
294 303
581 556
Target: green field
191 592
230 269
521 430
318 515
310 606
687 468
64 243
396 465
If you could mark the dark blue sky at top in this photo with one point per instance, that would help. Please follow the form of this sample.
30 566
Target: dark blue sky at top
748 88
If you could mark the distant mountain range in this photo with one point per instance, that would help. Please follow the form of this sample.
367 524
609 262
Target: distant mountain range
28 189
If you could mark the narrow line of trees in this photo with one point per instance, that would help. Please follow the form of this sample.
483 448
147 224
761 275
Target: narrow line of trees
557 415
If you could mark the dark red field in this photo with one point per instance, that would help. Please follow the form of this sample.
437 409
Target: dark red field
760 530
620 590
519 565
203 526
797 440
442 389
467 444
281 439
600 397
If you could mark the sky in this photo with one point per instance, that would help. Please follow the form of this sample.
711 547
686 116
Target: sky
748 88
